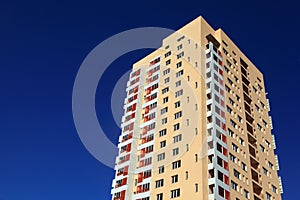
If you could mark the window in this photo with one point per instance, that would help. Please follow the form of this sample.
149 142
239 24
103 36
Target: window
178 114
164 120
166 71
265 171
234 147
240 119
176 164
233 124
175 151
196 187
167 80
180 73
196 84
270 165
234 186
226 69
174 178
165 90
227 88
236 174
229 110
165 100
267 143
262 148
264 123
175 193
229 81
232 157
236 79
159 183
256 107
162 132
269 197
168 62
161 169
176 126
159 196
254 90
161 156
230 133
231 101
274 189
163 144
178 83
177 138
179 93
164 110
242 142
259 127
179 47
179 64
167 54
262 104
177 104
180 55
186 175
244 167
238 98
246 194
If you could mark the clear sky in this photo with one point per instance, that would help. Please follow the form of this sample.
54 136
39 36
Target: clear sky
42 45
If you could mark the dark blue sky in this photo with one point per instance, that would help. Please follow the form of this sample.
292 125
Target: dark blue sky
42 46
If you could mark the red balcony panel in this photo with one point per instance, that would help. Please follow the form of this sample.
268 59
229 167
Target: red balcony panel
125 172
222 114
221 81
128 148
220 63
131 126
140 177
142 154
224 138
147 110
142 163
145 130
224 151
122 196
225 165
146 118
222 103
124 181
226 180
149 90
219 53
133 107
138 72
224 126
227 195
136 89
222 92
139 189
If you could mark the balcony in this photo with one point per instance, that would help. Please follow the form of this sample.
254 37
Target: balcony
245 80
252 140
249 118
247 98
244 71
257 189
250 128
254 164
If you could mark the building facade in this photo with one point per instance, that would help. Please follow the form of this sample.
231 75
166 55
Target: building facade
196 124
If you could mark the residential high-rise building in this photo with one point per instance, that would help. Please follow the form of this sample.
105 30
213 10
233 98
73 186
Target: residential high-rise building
196 124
